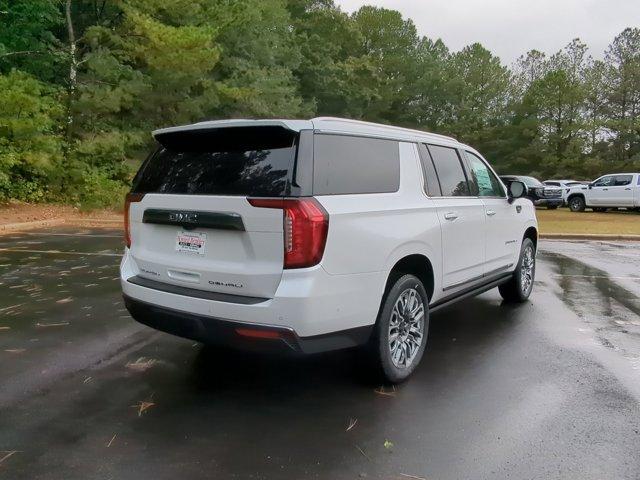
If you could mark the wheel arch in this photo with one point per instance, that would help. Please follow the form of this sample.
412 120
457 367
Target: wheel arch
414 264
531 233
576 194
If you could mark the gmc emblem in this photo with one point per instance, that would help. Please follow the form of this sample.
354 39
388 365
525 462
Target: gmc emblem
183 217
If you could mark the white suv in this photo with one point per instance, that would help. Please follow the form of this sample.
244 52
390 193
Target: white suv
317 235
618 190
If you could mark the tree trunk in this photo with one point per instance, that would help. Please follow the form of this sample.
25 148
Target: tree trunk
73 70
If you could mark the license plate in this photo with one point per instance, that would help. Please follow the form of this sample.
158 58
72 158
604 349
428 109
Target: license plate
191 242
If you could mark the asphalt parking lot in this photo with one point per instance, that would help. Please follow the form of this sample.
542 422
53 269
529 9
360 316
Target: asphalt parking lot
547 389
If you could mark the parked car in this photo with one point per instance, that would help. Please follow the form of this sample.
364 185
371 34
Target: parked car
319 234
617 190
541 195
565 185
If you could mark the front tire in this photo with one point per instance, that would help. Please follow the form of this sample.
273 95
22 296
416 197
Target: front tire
400 335
520 285
577 204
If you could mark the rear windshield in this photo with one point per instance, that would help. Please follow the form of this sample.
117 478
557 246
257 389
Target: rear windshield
247 161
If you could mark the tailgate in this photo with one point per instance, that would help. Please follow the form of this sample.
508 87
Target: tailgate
192 224
218 244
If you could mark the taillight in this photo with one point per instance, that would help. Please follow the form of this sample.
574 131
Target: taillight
306 225
129 199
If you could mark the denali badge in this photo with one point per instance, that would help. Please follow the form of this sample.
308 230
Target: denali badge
183 217
225 284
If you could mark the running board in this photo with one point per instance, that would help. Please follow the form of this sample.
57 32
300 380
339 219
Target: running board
469 292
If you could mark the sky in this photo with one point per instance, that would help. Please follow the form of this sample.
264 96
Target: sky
510 28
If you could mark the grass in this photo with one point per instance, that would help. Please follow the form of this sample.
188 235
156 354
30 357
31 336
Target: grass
611 222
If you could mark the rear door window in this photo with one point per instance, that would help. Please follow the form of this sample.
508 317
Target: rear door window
345 164
247 161
453 181
623 180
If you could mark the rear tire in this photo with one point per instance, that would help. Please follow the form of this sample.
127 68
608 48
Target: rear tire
400 336
577 204
520 285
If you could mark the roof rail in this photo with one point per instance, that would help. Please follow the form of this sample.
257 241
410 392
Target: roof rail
382 125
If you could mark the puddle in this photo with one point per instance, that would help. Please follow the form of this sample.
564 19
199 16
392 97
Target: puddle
612 311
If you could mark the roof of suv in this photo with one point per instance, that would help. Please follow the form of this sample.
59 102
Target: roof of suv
323 124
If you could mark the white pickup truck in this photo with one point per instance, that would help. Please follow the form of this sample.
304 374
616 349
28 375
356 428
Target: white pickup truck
618 190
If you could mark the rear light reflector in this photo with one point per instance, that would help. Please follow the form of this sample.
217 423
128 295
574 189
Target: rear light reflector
305 225
256 333
129 199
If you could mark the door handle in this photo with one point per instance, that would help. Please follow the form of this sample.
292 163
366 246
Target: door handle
627 189
491 213
450 216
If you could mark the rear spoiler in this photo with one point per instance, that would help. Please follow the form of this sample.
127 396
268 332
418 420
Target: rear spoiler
293 125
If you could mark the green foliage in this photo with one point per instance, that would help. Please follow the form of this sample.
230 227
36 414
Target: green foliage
30 140
77 115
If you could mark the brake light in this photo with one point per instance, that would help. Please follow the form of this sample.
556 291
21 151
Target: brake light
305 224
129 199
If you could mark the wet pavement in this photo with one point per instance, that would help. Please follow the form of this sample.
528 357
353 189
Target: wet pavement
547 389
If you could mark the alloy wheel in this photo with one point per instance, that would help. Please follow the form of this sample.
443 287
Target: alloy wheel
406 328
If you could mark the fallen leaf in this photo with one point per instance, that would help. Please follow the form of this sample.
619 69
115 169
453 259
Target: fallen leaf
382 391
412 476
15 350
388 445
44 325
141 364
352 423
112 439
65 300
363 454
143 406
5 328
8 454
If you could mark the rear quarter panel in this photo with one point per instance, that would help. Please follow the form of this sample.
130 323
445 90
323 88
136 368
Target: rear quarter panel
371 232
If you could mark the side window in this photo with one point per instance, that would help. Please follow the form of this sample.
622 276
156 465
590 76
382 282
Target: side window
604 181
432 186
622 180
552 184
345 165
488 184
453 181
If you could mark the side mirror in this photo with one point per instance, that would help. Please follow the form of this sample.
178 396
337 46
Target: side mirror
590 185
516 190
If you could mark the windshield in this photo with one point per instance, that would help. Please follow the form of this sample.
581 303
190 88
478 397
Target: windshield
530 181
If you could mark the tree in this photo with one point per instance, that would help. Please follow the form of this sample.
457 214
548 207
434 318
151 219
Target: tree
623 58
30 137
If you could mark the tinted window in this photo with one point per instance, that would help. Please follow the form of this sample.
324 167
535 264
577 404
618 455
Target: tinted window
622 180
255 161
529 181
430 176
450 173
553 184
485 182
604 181
344 164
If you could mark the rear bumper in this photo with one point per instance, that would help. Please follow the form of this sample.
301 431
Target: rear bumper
322 311
225 332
